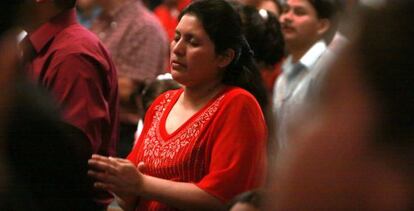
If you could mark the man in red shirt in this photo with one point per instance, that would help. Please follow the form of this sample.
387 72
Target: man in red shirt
72 64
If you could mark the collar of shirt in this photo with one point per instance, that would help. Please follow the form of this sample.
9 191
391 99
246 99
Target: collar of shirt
308 59
313 54
42 35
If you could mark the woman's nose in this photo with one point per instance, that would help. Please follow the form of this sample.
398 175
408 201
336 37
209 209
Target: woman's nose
177 47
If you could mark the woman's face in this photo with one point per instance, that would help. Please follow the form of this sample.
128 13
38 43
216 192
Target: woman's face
193 59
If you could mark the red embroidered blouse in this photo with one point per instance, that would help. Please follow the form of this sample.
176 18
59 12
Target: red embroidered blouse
221 149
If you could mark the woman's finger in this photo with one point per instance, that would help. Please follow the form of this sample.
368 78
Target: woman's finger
103 165
104 177
104 186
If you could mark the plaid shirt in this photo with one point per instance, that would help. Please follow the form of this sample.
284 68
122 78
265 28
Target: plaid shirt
136 40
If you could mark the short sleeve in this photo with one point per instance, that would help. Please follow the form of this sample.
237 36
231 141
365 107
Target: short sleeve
238 151
77 86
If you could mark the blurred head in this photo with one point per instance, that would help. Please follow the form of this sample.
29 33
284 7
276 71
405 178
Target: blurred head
214 27
8 9
65 4
358 143
262 31
304 22
272 6
247 201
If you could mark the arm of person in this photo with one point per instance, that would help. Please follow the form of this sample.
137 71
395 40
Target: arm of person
121 177
238 150
237 165
77 86
181 195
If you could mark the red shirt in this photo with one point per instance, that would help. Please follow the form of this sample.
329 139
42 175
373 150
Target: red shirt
221 149
136 40
74 66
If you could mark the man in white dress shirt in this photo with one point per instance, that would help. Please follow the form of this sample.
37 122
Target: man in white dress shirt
306 25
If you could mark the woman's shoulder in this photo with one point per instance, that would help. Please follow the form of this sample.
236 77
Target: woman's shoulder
233 92
169 94
238 97
166 97
237 102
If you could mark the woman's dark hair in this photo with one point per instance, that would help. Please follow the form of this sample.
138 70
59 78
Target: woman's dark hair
262 31
325 8
223 26
386 58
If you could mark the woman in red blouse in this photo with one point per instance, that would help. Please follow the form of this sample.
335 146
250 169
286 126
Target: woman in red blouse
204 143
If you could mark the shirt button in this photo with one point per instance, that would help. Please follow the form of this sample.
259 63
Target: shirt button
102 35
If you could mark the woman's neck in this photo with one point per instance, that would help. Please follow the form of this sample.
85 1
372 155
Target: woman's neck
197 97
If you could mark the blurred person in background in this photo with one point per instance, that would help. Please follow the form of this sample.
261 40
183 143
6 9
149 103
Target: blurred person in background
247 201
272 6
356 152
306 25
204 143
42 167
70 62
139 47
263 33
8 65
87 12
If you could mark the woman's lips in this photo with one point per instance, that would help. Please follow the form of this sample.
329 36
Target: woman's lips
177 65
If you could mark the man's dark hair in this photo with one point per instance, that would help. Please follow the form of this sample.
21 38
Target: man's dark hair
328 9
325 8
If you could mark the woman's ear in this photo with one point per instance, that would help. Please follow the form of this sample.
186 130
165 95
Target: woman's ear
226 58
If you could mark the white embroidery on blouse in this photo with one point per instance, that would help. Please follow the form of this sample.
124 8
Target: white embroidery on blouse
157 150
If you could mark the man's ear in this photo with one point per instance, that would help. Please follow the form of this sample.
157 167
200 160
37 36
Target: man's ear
226 58
323 26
